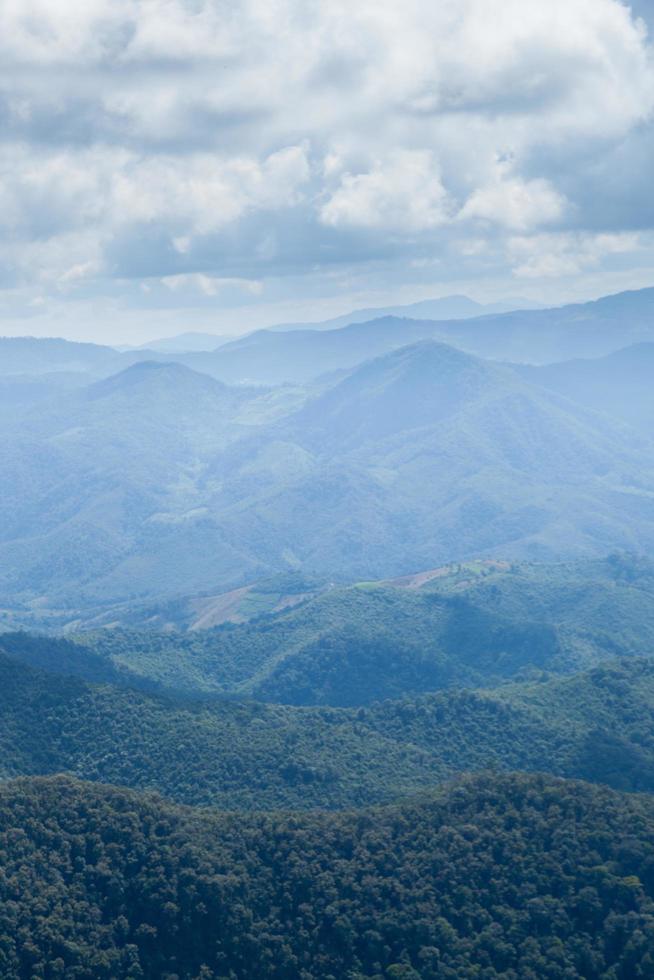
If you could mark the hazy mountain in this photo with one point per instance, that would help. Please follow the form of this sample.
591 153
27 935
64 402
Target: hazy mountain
444 308
21 392
427 454
300 355
161 481
189 341
620 383
53 360
32 355
577 330
266 357
530 336
106 482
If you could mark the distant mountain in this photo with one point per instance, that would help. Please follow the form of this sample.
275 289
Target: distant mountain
431 454
270 357
35 355
53 360
106 482
21 392
621 383
577 330
160 481
413 388
444 308
190 341
528 336
299 356
517 875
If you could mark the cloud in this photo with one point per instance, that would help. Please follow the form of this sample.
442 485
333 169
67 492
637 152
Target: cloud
562 255
205 192
257 140
404 193
210 285
95 194
515 203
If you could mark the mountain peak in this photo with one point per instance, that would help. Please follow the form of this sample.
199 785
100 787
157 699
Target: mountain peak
169 374
408 388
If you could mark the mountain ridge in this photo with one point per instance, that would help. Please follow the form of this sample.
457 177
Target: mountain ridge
507 872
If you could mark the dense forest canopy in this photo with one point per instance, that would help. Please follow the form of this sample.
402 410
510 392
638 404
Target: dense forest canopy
595 725
499 876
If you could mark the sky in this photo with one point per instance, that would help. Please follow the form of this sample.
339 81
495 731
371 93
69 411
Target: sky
216 165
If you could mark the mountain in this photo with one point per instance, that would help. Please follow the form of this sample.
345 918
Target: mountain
189 341
428 454
103 485
444 308
267 357
414 388
232 755
160 481
596 725
577 330
619 384
32 355
472 624
57 361
524 336
517 875
303 353
20 393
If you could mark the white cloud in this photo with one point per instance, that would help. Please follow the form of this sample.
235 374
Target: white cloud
90 196
515 203
404 193
567 254
302 131
205 192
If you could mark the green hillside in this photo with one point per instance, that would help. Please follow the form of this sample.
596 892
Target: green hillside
514 876
470 624
596 725
220 753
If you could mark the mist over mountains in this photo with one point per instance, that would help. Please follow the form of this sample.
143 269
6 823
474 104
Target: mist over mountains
157 479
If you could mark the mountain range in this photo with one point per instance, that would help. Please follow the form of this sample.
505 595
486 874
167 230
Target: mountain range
619 384
579 330
242 755
444 308
466 625
300 353
160 480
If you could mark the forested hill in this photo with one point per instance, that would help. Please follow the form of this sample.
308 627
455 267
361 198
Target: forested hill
501 877
472 624
597 725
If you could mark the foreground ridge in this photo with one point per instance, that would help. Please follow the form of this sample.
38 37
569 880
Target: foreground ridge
511 875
